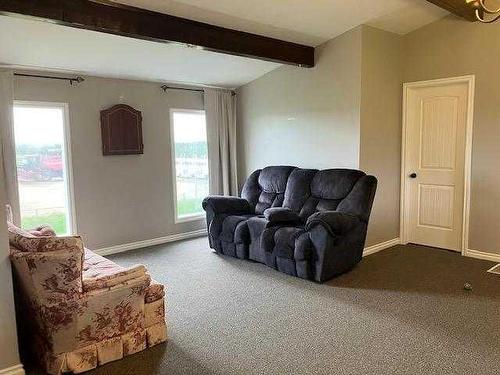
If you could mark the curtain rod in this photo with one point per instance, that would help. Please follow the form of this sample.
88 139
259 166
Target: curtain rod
167 87
71 80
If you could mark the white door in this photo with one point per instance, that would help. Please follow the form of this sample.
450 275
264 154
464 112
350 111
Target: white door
435 138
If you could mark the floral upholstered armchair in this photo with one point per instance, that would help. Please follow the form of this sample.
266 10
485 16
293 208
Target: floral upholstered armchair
82 310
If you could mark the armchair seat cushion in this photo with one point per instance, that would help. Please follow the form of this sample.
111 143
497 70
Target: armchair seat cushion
95 265
121 278
99 272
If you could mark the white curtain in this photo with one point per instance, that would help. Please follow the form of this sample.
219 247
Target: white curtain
8 168
220 109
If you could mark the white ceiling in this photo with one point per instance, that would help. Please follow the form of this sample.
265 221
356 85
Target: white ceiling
45 46
310 22
39 45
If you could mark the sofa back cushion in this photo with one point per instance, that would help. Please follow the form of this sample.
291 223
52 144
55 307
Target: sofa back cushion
266 188
307 191
298 189
310 191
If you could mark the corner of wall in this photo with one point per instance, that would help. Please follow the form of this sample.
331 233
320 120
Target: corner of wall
380 127
9 353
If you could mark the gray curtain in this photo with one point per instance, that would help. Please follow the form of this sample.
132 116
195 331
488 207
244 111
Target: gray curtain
8 167
220 110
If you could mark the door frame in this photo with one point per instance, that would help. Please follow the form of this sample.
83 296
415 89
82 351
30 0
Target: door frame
404 204
67 149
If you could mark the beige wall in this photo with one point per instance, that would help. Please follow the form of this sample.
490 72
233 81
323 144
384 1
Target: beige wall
452 47
8 337
345 112
380 137
304 117
119 199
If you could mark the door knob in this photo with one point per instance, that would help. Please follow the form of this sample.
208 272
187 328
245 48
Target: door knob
413 175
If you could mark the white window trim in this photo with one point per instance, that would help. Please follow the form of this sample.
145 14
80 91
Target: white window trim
70 199
187 218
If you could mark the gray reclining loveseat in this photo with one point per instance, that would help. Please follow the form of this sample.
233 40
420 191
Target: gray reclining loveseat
303 222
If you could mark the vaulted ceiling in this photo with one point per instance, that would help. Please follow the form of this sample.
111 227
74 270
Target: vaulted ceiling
309 22
32 44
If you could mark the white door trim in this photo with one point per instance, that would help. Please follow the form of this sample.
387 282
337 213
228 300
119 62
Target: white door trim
404 220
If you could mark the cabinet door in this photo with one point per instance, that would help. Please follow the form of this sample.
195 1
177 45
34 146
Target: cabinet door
121 128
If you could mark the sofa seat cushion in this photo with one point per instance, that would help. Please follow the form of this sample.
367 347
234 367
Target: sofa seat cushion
256 226
234 229
284 241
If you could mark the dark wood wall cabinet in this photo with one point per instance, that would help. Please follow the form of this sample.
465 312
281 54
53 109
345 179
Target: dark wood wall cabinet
121 130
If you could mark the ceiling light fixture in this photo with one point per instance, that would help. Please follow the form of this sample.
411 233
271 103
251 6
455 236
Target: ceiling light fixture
481 10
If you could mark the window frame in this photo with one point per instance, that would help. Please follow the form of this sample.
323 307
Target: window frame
70 198
191 217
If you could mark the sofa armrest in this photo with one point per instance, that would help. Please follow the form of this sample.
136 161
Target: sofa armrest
220 204
119 277
281 215
336 223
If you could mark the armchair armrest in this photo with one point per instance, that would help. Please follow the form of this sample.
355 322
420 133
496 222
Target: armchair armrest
336 223
281 215
43 231
119 277
111 312
220 204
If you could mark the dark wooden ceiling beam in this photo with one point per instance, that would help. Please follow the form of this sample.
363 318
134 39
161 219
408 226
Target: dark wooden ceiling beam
457 7
118 19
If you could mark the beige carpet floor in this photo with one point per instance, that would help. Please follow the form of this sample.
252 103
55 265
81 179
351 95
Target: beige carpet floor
401 311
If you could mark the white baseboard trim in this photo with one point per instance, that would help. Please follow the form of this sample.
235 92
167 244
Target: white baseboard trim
482 255
154 241
381 246
203 232
14 370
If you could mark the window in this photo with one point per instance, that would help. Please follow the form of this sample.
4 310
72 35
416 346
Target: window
41 140
190 155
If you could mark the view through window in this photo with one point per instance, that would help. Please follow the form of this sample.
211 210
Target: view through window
191 162
42 166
